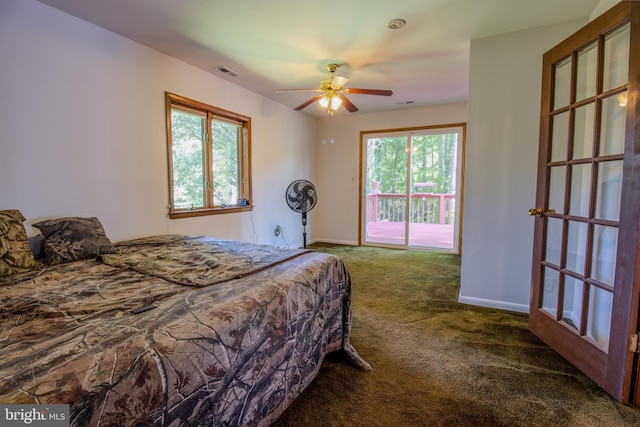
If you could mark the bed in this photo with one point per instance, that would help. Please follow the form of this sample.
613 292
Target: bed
234 331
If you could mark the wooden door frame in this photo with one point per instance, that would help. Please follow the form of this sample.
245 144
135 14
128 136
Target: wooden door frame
616 370
628 251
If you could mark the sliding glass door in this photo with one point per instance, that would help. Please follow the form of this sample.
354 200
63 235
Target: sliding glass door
411 185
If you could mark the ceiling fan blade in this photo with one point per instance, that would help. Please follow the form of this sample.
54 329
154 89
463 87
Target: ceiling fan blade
339 81
309 102
380 92
297 90
347 104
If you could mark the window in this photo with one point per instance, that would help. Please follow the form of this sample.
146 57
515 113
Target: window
209 159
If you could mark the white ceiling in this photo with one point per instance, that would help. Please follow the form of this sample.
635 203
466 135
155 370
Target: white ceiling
283 44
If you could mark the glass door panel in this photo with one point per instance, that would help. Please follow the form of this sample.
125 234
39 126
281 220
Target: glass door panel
386 188
603 254
613 124
599 323
580 189
583 131
434 180
576 246
557 178
616 58
608 191
562 83
551 279
560 137
572 302
554 241
586 72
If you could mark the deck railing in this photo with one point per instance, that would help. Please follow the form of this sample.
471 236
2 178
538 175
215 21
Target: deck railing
426 208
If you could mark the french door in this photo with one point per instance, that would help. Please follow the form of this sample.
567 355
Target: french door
585 294
411 182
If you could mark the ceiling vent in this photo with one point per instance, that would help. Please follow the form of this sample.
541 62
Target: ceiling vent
227 71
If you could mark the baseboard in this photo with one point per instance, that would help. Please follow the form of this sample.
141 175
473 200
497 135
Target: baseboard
335 242
501 305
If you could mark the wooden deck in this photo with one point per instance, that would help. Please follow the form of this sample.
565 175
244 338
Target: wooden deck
439 236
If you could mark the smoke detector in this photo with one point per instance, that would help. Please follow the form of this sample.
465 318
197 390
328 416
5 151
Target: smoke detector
396 24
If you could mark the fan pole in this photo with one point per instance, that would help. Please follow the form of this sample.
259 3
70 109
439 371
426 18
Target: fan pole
304 229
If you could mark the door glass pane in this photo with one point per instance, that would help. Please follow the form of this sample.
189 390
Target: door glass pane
613 124
562 84
609 190
599 317
603 256
386 185
550 294
616 58
576 246
586 72
433 182
583 131
559 138
572 302
557 178
554 241
580 189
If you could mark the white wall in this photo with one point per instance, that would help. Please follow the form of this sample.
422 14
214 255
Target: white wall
601 7
82 131
337 151
500 174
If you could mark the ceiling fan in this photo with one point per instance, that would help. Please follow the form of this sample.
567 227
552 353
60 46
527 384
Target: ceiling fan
333 91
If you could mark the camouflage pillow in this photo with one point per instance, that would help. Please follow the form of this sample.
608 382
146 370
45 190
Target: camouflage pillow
15 254
73 238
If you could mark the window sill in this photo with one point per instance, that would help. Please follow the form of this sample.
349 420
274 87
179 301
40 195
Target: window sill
210 211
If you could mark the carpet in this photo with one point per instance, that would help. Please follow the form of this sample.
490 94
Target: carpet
437 362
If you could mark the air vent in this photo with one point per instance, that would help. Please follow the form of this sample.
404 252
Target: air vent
227 71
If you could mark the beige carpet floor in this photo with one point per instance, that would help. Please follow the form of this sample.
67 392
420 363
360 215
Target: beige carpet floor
440 363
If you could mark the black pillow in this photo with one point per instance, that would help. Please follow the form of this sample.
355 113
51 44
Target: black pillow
73 238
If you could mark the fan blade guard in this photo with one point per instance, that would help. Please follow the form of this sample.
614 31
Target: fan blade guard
301 196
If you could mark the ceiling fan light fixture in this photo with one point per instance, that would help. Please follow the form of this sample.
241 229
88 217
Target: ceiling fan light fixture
335 102
331 102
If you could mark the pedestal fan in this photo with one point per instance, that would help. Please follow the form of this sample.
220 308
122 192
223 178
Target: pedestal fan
301 197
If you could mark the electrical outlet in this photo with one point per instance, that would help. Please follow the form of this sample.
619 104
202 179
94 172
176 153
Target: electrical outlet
277 230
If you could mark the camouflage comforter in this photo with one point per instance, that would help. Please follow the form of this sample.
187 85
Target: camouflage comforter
239 332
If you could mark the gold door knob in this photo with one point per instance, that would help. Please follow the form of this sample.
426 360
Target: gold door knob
539 212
